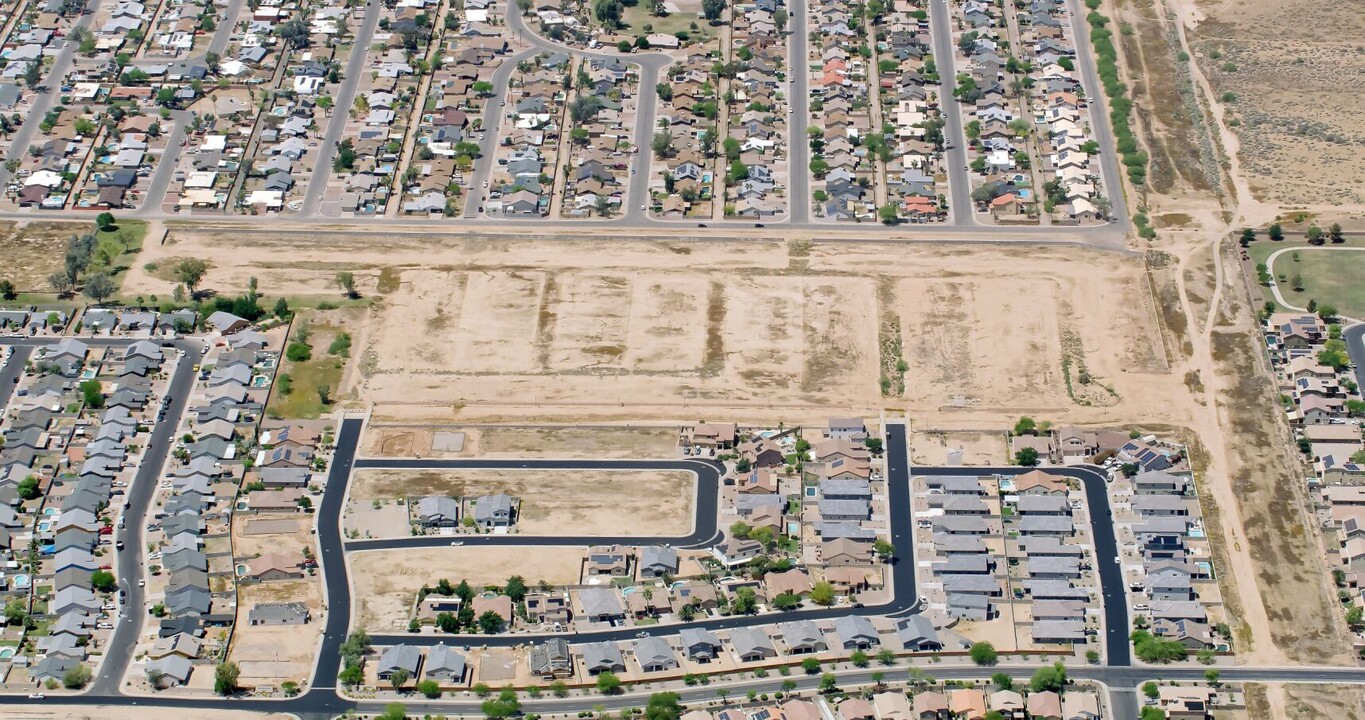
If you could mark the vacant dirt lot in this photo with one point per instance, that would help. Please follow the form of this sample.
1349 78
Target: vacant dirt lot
33 250
1299 133
527 442
271 655
932 448
555 502
385 583
1305 702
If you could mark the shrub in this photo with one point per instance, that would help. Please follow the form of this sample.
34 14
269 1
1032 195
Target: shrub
299 352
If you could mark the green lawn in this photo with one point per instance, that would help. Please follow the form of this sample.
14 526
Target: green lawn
1331 276
637 16
129 234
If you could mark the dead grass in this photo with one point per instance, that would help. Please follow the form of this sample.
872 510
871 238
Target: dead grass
1161 100
1299 134
1305 618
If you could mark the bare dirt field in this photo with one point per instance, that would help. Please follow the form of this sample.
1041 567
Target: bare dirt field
386 583
555 502
271 655
521 441
931 448
1306 702
1299 134
249 546
496 330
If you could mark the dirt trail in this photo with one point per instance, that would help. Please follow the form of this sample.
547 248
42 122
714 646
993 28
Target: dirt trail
1265 561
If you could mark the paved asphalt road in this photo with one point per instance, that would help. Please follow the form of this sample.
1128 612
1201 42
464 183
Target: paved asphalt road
704 530
341 109
165 167
493 111
119 648
798 99
955 157
905 598
47 93
1355 347
9 374
1099 116
321 700
650 64
1118 652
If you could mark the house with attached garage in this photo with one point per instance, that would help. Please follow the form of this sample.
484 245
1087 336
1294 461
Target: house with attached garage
551 659
434 511
752 644
657 561
856 632
602 657
802 637
701 645
492 511
407 658
654 654
445 665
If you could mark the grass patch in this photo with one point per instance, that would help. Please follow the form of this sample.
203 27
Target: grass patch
637 16
130 234
296 391
1331 278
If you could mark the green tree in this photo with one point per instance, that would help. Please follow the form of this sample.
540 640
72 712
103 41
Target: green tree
225 678
98 287
1151 690
1248 236
29 488
491 622
92 394
76 677
1026 426
712 9
1027 457
504 705
398 677
810 666
663 706
786 601
33 74
886 657
1275 232
608 683
394 711
1335 234
1048 678
102 581
1002 681
346 281
105 221
983 653
859 659
515 588
889 214
822 593
1315 235
190 272
829 682
559 689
